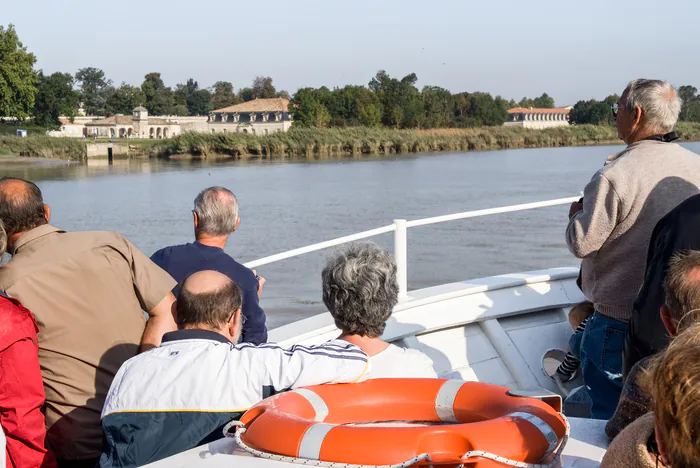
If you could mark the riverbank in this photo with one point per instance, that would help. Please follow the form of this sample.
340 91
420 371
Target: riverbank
315 143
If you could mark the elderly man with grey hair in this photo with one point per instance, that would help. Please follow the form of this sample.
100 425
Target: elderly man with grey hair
360 291
611 227
215 217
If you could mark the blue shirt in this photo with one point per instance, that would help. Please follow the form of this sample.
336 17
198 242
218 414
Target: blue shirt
183 260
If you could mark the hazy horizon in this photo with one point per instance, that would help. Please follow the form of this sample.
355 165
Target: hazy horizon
507 48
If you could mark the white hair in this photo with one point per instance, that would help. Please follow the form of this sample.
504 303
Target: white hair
659 101
217 209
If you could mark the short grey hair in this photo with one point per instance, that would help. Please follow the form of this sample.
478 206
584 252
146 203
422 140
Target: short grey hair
682 286
217 210
360 289
3 239
659 101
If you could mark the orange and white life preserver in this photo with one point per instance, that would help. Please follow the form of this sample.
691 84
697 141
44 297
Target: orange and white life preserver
324 422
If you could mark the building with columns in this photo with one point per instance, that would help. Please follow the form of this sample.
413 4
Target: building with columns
538 118
259 117
136 125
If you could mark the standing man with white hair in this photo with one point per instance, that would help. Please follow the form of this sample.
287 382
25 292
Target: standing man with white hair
216 216
610 230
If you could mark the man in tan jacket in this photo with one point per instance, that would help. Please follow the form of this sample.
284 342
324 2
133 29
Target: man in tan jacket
611 229
87 291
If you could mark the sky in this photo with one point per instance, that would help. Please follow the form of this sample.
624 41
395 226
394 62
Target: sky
570 49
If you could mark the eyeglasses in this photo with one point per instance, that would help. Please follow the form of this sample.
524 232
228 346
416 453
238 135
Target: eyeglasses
615 109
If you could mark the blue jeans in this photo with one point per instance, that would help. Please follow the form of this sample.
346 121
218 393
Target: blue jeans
601 362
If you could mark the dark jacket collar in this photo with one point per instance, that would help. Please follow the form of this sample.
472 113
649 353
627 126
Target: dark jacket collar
32 235
195 334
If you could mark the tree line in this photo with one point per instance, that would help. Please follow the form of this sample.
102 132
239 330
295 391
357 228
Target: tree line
385 101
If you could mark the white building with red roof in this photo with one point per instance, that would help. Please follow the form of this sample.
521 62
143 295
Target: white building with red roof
538 118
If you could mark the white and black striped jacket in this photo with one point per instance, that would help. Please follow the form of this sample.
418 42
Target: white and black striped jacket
180 395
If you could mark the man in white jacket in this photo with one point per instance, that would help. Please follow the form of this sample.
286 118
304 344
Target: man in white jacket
181 394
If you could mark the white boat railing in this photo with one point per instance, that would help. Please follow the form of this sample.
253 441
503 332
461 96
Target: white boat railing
400 228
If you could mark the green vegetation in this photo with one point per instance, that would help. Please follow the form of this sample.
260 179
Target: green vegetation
42 146
55 97
327 143
594 112
17 76
312 143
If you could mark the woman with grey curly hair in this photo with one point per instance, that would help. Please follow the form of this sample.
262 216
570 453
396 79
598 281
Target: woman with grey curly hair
360 291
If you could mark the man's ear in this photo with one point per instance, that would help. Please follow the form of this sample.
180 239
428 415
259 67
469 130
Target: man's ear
669 323
235 326
235 226
637 118
195 217
47 212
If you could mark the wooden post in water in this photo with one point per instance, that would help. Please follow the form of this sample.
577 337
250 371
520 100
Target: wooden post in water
110 157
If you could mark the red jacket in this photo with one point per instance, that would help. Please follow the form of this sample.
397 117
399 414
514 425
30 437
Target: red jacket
21 388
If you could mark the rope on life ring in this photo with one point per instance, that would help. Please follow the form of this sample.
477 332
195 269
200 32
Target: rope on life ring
419 458
304 461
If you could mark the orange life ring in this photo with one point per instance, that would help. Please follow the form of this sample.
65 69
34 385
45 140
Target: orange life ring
321 423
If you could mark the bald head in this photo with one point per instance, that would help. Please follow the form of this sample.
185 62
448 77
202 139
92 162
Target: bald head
207 281
21 205
207 299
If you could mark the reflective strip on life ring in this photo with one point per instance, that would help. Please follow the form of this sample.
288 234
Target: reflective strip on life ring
316 401
310 446
543 427
445 401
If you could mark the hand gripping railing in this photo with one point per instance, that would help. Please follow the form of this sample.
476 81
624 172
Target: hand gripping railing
400 228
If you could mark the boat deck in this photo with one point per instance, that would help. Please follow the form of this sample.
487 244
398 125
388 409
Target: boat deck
585 449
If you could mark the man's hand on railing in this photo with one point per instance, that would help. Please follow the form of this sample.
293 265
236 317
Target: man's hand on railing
261 283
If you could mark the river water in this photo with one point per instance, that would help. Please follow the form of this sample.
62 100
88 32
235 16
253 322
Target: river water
289 205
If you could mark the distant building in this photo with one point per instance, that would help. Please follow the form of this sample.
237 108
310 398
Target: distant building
136 125
538 118
260 117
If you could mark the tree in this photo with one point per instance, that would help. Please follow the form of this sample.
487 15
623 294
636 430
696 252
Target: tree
401 101
263 88
590 112
544 102
183 91
17 76
308 110
526 103
612 100
438 105
192 100
95 89
124 99
199 103
55 97
246 94
367 109
159 98
483 109
283 94
690 108
223 95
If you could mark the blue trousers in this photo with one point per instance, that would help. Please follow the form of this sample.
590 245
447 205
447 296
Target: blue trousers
601 362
